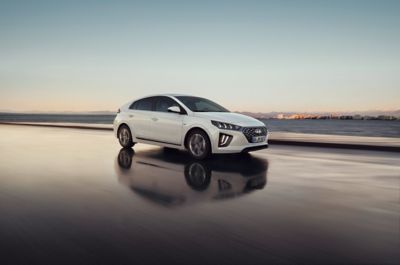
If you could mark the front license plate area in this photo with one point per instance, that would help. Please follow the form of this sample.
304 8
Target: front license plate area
258 139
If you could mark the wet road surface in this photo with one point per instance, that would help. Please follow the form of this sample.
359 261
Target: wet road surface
74 197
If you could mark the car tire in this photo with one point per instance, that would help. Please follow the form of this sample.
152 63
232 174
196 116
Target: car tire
198 144
125 136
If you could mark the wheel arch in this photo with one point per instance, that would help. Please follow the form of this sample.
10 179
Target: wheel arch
123 124
194 128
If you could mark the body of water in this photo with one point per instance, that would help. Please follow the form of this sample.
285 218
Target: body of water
337 127
379 128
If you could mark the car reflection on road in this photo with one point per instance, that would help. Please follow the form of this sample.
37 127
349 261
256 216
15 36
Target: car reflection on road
171 178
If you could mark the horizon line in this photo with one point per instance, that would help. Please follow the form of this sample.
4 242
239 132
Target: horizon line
239 111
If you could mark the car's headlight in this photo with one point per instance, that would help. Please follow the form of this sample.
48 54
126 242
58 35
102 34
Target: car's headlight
226 126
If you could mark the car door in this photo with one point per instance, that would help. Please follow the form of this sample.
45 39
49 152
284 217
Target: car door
140 118
167 125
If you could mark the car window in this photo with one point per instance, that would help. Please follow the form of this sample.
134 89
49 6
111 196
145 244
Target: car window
163 103
197 104
143 104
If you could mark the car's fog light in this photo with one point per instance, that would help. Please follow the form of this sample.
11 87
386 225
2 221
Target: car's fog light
224 140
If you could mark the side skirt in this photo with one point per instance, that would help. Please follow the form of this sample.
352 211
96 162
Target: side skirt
159 143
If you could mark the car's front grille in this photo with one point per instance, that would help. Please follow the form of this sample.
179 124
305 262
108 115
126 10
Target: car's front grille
251 132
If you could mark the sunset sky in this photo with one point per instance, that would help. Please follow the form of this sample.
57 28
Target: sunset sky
246 55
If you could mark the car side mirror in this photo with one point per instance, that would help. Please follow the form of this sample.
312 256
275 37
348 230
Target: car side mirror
174 109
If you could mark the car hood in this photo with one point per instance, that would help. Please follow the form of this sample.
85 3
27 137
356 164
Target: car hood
229 117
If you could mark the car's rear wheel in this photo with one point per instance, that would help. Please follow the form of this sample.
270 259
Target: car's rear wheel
125 136
198 144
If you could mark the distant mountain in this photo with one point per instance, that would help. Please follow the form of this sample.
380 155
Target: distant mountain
395 113
275 114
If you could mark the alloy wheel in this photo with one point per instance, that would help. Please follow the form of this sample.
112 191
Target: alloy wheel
124 136
197 145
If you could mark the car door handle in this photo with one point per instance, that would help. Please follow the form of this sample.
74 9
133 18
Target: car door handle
131 116
154 119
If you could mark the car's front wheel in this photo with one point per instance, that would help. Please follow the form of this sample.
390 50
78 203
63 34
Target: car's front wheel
125 136
198 144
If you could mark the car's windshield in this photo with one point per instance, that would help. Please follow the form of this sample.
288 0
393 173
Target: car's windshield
197 104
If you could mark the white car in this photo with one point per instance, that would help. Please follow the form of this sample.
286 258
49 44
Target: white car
187 122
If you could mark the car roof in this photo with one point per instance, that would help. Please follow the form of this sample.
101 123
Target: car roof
164 95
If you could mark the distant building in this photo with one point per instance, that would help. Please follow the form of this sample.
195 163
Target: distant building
280 116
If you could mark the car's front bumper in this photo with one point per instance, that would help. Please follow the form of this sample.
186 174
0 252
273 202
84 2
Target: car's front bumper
238 144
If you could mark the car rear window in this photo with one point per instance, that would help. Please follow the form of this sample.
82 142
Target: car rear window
143 104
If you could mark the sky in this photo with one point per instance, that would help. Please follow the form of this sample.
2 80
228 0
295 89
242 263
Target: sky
257 56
